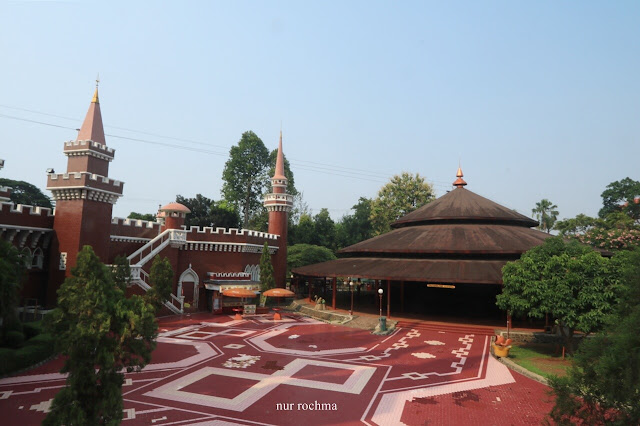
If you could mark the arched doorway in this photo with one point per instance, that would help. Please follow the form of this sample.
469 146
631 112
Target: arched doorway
188 287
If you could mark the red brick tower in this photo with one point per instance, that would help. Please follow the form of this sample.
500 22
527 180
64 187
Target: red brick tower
279 204
84 195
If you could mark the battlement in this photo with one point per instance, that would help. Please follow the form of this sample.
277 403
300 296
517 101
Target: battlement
135 228
231 231
138 223
25 209
25 215
90 176
88 144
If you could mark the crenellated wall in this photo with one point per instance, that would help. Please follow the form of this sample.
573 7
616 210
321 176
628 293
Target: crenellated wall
134 228
24 215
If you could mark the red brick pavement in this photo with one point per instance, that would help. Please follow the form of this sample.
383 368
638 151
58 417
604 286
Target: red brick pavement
213 370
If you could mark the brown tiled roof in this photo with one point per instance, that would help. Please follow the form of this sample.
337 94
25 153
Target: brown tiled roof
462 205
452 238
423 270
459 238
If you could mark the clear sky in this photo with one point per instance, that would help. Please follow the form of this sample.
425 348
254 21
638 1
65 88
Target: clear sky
535 99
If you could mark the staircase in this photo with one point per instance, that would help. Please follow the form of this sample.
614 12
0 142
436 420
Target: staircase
139 258
447 328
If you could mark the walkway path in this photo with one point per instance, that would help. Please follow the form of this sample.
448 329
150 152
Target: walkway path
214 370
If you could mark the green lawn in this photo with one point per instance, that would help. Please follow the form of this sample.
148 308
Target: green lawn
543 359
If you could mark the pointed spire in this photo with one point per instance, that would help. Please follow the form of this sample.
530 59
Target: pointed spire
95 99
279 173
459 183
92 128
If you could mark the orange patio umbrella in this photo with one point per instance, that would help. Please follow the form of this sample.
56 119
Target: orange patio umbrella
279 292
238 292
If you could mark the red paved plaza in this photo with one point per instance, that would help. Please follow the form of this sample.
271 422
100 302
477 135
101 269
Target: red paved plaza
215 370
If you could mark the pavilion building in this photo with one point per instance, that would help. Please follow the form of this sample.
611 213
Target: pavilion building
445 257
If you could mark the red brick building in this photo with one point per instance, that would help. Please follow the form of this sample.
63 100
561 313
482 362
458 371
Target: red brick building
205 260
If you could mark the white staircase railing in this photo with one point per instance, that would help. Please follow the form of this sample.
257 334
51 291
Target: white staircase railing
140 257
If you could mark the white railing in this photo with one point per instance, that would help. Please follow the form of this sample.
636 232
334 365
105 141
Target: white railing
139 277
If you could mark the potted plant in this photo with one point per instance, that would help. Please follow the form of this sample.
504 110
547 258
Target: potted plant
501 347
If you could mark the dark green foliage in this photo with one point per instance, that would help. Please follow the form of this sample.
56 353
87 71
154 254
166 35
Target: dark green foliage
207 212
570 281
324 230
603 385
619 196
32 352
11 274
304 231
245 175
267 280
139 216
13 339
102 333
32 329
306 254
26 193
161 277
356 227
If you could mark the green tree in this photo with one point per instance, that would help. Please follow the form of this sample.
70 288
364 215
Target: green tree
304 231
621 196
575 226
207 212
161 278
12 270
403 194
301 255
26 193
603 384
617 231
324 230
570 281
356 227
267 280
546 214
142 216
101 333
245 175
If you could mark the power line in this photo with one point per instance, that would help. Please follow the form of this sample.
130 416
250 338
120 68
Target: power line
349 172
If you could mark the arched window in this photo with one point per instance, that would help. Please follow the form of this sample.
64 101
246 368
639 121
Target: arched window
254 270
26 257
38 258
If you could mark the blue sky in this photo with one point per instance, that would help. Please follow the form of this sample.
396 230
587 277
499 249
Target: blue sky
536 100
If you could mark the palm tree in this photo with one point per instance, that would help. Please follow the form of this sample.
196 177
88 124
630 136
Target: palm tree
546 213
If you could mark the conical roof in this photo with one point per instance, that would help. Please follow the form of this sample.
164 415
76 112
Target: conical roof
92 128
463 206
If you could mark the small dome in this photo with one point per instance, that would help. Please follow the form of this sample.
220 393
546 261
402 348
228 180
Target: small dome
175 207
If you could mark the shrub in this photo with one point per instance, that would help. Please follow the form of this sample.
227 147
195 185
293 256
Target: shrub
7 361
13 339
31 329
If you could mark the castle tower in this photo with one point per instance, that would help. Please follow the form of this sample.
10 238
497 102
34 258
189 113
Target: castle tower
84 195
279 204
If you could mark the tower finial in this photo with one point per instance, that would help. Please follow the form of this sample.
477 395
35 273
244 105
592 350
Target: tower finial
459 183
95 99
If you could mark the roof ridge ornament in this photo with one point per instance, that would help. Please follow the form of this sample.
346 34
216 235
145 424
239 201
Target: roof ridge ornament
459 183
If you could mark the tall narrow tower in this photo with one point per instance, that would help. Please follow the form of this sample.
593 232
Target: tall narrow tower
279 204
84 195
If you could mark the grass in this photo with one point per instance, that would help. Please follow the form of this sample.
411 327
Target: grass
543 359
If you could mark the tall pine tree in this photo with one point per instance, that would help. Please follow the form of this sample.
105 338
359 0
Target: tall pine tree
101 333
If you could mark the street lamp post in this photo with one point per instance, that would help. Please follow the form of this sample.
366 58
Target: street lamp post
351 287
383 322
